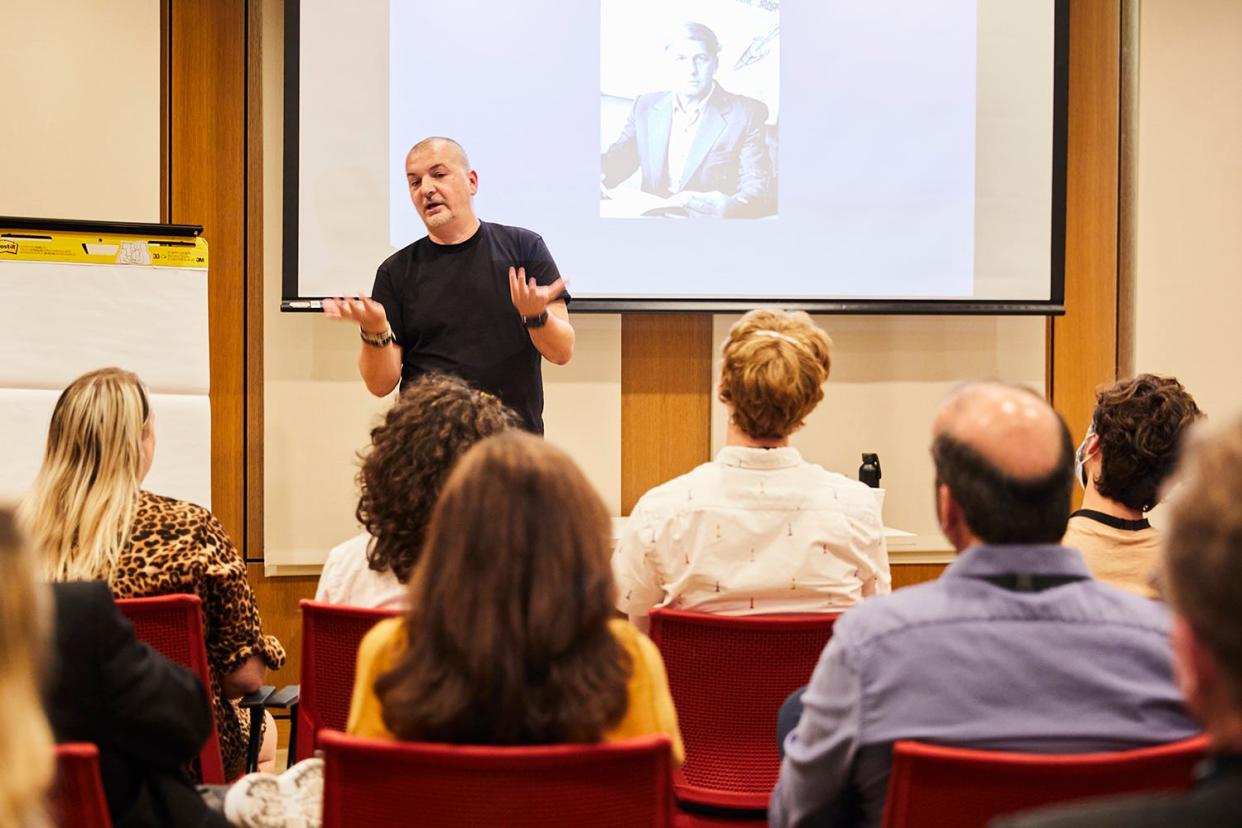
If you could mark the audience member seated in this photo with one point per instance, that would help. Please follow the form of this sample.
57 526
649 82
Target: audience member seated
1130 448
89 518
759 529
148 717
436 419
510 637
1015 647
26 764
1202 579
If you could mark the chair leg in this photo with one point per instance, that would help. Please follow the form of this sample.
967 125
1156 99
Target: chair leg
256 739
293 736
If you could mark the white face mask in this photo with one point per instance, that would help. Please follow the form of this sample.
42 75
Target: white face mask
1080 459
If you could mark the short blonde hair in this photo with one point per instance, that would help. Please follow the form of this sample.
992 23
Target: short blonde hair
773 371
25 737
1202 565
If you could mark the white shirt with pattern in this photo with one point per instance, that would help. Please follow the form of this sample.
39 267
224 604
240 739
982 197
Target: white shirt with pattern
754 531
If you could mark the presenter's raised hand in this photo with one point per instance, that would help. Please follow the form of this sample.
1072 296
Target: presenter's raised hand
364 310
529 297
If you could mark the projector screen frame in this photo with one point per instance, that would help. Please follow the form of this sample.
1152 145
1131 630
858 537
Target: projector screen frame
293 302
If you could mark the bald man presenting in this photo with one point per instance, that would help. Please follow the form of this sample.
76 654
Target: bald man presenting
480 300
1015 647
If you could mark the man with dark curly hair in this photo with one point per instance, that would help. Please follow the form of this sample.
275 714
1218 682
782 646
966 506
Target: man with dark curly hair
412 452
1130 449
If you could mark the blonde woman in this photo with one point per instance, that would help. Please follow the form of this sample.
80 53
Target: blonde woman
758 529
90 519
26 763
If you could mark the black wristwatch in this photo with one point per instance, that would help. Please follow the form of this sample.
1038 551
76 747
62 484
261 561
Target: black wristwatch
535 321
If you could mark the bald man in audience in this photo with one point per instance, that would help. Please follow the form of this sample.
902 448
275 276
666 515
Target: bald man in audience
1015 647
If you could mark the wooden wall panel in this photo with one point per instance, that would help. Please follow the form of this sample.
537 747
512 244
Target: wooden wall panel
207 185
1083 343
254 282
277 599
666 386
905 575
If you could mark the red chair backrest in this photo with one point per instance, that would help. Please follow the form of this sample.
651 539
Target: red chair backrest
608 785
331 634
931 785
729 676
78 799
172 625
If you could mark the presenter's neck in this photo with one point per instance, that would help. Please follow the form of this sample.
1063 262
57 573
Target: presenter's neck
736 437
455 233
1092 499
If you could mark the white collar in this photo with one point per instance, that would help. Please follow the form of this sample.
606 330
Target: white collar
747 457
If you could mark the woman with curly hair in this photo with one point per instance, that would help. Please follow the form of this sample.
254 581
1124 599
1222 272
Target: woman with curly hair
510 638
412 451
1130 449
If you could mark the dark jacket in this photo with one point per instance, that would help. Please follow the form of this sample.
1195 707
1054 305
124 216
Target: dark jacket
1215 802
148 716
729 153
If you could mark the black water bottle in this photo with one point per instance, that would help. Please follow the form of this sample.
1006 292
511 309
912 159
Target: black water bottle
869 471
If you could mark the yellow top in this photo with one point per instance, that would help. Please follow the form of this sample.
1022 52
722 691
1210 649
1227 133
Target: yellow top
650 707
1123 557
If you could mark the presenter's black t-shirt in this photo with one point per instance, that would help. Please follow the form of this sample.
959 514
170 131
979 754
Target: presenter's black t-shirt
450 309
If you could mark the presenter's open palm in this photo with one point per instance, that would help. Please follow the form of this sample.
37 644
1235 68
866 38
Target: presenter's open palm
364 310
529 297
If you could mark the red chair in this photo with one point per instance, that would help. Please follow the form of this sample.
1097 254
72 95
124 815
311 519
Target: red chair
729 676
330 637
932 785
172 625
78 799
607 785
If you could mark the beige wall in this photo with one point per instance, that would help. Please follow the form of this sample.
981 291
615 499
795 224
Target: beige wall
80 111
1188 290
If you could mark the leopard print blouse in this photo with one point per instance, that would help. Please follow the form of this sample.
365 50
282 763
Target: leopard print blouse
177 547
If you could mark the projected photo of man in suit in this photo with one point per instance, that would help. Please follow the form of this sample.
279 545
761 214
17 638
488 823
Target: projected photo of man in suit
702 150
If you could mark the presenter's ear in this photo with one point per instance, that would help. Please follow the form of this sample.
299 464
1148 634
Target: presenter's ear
473 178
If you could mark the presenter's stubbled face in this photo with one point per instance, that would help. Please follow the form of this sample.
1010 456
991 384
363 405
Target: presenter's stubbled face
441 185
691 67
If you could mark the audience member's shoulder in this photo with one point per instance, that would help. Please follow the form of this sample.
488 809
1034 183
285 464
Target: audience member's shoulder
846 487
169 511
675 491
634 641
879 615
384 636
73 596
1130 812
1125 607
347 554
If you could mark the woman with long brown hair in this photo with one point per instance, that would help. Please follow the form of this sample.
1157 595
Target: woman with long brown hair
510 638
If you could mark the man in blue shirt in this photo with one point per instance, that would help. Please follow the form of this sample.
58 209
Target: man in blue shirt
1015 647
